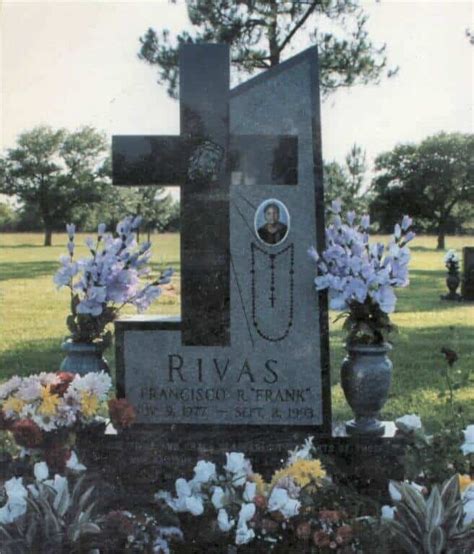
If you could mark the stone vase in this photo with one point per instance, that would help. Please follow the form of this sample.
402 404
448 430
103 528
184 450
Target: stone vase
366 374
83 357
452 282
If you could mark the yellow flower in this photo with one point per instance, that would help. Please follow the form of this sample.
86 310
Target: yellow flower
465 481
49 401
303 472
13 404
260 482
89 403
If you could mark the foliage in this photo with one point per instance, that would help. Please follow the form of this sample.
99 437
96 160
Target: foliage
361 277
44 411
157 208
261 32
431 525
434 458
8 217
451 261
108 280
434 180
55 519
55 172
345 182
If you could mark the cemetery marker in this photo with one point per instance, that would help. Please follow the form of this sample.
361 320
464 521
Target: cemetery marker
249 357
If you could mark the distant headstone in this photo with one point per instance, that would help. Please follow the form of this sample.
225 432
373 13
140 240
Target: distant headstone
247 365
467 286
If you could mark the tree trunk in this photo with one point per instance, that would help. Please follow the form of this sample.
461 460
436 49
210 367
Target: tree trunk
441 240
48 235
272 35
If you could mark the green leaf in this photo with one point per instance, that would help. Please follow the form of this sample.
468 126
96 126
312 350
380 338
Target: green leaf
435 541
413 523
413 499
450 492
434 509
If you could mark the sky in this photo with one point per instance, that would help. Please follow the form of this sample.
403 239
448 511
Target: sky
73 63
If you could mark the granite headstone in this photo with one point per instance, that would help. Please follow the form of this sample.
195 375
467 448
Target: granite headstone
467 286
247 365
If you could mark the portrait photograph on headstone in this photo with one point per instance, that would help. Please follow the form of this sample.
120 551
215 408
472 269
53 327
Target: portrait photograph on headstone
236 277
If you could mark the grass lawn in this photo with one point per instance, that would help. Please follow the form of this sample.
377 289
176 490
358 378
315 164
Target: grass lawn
32 322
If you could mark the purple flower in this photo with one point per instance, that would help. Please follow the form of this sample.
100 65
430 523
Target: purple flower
386 299
70 247
397 232
336 206
66 272
312 253
350 216
146 297
93 303
90 243
365 221
101 229
406 222
71 230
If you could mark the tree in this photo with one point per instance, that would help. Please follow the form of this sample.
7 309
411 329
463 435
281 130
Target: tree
432 181
55 172
262 32
346 181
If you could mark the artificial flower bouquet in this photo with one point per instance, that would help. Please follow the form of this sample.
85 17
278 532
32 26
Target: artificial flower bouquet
451 261
43 412
234 505
116 273
361 276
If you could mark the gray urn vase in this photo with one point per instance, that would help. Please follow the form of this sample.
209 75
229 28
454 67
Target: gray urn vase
366 374
83 357
453 280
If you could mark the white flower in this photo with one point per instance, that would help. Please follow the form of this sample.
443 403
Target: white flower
11 385
186 500
238 466
280 501
73 463
30 389
225 524
41 471
194 505
387 512
96 383
396 496
468 446
16 500
46 423
217 498
468 499
204 472
247 511
409 422
250 491
301 453
244 535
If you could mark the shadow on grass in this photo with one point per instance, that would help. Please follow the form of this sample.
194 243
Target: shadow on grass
26 245
39 355
26 270
423 293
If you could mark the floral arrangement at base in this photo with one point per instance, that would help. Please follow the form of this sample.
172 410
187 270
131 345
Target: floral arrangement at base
451 261
110 278
360 276
297 511
43 412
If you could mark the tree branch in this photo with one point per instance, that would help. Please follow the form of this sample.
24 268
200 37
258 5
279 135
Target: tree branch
301 22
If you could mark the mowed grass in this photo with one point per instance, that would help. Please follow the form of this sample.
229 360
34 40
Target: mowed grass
32 321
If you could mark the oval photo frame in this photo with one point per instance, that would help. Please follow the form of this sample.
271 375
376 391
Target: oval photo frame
272 222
